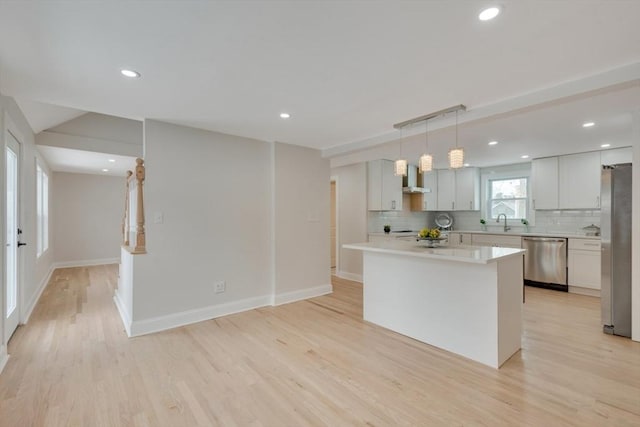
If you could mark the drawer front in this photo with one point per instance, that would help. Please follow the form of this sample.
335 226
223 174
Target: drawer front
585 244
496 240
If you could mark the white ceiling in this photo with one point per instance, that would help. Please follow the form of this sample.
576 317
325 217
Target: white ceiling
79 161
346 71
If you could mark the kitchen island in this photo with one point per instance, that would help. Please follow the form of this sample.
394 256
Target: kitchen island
466 300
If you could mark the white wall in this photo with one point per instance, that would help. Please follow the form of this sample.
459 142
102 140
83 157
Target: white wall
86 215
214 192
635 232
35 270
302 208
352 217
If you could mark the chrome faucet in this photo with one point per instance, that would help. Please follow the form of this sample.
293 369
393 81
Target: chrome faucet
505 222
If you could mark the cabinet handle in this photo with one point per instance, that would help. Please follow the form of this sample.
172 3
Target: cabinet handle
452 205
470 205
591 244
460 238
534 204
597 201
393 204
425 206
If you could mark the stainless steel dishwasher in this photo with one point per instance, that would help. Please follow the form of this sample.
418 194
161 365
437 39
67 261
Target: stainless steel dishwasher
545 262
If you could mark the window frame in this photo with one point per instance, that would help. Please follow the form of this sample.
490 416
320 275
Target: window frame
491 199
513 171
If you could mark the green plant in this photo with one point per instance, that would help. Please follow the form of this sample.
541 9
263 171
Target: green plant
482 221
524 222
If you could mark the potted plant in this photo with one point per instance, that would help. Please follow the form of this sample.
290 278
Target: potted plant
483 224
387 228
526 224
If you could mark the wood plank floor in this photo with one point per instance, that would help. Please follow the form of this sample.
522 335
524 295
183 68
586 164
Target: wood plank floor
311 363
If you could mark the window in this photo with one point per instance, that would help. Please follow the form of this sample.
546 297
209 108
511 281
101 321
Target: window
42 208
508 196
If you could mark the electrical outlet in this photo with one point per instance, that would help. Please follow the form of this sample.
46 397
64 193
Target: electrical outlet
220 287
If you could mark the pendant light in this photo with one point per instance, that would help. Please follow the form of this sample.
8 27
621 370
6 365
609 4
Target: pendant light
401 164
456 155
426 160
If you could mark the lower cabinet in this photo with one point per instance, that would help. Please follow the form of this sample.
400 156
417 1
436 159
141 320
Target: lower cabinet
496 240
584 266
458 239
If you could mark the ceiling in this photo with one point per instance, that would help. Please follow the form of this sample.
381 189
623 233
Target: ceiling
80 161
345 71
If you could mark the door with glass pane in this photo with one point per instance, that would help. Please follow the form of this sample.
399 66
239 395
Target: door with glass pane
12 278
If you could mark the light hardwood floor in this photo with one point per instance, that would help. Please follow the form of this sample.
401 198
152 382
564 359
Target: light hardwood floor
313 362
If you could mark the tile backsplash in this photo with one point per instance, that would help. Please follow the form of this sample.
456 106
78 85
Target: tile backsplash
566 221
399 220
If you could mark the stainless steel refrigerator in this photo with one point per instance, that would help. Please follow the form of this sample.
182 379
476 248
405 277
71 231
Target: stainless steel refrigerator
615 232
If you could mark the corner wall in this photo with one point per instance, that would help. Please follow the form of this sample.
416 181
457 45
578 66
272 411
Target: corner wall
301 226
86 217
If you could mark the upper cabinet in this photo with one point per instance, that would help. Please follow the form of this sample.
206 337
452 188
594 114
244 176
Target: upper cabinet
579 181
427 201
459 190
384 188
616 155
544 177
572 181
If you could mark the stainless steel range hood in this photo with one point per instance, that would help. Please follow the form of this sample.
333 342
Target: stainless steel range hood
410 182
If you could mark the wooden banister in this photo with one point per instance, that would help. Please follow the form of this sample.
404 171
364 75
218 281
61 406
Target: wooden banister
135 201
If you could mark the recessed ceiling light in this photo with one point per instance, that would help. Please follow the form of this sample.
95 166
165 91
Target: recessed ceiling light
112 160
605 145
466 165
285 115
105 170
130 73
493 143
524 156
489 13
587 124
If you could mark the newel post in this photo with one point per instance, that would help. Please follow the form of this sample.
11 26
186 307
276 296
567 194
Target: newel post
140 234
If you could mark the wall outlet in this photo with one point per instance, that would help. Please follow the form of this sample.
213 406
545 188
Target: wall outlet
220 287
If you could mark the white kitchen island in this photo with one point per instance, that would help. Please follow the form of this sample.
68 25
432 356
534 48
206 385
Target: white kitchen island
466 300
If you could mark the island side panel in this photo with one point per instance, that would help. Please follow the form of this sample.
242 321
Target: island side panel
451 305
510 282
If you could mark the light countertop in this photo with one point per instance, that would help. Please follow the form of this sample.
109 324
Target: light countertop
565 234
467 254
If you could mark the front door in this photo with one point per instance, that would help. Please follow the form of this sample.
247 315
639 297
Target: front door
11 311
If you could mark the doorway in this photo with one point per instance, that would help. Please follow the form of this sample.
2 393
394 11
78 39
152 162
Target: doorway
12 244
333 227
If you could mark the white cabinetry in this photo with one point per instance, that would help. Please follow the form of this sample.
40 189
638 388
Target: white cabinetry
384 189
457 239
584 266
427 201
467 189
617 155
544 176
459 190
579 178
446 189
496 240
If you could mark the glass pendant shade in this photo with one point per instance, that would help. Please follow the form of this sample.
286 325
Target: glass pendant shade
401 167
456 158
426 163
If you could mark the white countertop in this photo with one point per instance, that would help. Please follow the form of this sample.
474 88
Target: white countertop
469 254
529 234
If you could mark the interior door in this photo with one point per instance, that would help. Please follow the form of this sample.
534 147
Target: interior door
12 204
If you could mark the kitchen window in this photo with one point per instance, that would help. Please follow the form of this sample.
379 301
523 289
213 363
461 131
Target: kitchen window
42 210
509 196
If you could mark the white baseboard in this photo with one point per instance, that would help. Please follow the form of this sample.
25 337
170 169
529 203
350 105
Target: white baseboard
584 291
36 296
175 320
123 313
4 357
316 291
86 262
349 276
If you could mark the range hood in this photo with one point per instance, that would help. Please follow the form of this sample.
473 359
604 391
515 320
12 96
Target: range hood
410 181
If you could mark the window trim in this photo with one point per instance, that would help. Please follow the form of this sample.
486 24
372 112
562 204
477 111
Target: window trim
491 199
517 170
42 210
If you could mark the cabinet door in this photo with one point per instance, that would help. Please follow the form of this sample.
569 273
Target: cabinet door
391 198
584 269
427 201
615 156
544 180
446 190
467 189
374 185
579 181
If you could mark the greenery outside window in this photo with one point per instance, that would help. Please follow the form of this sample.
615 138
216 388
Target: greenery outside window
508 196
